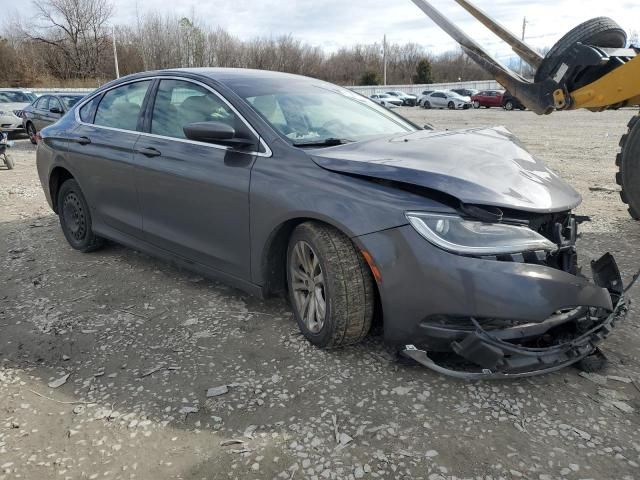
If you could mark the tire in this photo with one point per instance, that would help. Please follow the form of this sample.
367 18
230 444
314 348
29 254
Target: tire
600 32
9 161
31 131
347 287
451 106
508 105
427 105
476 104
628 162
75 218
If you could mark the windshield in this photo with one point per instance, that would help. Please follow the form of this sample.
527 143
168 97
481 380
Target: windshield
312 113
16 97
70 100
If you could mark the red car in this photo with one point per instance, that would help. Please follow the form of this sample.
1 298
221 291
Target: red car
487 99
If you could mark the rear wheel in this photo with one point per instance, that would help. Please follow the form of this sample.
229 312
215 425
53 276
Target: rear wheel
451 106
31 131
330 286
600 32
75 218
427 105
508 105
628 162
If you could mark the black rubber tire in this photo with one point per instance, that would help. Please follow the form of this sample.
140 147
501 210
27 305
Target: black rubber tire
451 106
31 131
476 104
349 286
427 105
600 32
73 206
508 105
628 162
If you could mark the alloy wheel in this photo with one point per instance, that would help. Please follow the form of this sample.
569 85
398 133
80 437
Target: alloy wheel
308 286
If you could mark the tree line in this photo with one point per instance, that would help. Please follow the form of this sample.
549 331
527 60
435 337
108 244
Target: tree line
69 43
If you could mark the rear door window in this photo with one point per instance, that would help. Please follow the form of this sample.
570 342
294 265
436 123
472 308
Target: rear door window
120 107
179 103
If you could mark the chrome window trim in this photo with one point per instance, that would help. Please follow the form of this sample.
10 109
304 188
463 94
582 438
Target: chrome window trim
266 153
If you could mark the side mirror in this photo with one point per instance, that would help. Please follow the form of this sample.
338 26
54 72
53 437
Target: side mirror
215 132
55 110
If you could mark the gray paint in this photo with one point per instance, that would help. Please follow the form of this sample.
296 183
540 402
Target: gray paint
217 211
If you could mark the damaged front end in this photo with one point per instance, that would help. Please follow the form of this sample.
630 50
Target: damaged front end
500 348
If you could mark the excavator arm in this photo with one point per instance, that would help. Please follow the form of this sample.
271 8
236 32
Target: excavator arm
594 72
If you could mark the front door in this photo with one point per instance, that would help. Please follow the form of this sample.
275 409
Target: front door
194 196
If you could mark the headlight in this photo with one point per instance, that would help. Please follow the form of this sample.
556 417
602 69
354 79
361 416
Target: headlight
469 237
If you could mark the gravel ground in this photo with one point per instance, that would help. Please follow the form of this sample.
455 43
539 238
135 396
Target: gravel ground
106 360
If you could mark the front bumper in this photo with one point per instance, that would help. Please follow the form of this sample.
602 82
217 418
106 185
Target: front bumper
10 123
498 318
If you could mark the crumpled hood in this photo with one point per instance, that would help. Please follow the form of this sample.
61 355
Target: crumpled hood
485 166
10 107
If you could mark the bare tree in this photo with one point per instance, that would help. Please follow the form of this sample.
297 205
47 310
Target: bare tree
75 33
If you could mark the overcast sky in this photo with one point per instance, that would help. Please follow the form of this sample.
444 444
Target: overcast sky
334 23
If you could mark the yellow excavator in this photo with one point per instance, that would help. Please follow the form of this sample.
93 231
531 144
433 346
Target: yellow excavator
590 67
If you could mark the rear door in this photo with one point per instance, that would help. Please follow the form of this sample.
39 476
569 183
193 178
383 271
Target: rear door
438 99
101 152
39 111
194 195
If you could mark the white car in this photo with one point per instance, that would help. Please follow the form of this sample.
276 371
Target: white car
446 99
423 96
12 102
386 100
407 99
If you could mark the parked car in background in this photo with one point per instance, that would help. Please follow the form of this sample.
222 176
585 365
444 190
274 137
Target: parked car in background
509 102
408 100
386 100
446 99
458 241
487 99
465 92
12 102
422 96
46 110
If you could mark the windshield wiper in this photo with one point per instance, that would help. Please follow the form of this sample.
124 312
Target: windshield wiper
327 142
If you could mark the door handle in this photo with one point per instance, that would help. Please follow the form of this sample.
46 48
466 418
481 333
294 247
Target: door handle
83 140
149 152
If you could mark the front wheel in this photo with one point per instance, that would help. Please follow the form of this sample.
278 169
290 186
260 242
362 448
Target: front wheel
476 104
75 218
628 161
508 105
331 288
427 105
451 106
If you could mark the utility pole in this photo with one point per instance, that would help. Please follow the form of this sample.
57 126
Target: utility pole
384 60
524 29
115 51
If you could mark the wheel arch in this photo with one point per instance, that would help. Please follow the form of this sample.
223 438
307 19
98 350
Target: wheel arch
57 177
274 254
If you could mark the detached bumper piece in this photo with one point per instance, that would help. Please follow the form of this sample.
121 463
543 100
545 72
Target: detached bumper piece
488 351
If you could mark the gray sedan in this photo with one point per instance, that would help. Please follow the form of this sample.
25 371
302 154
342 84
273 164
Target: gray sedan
46 110
455 241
